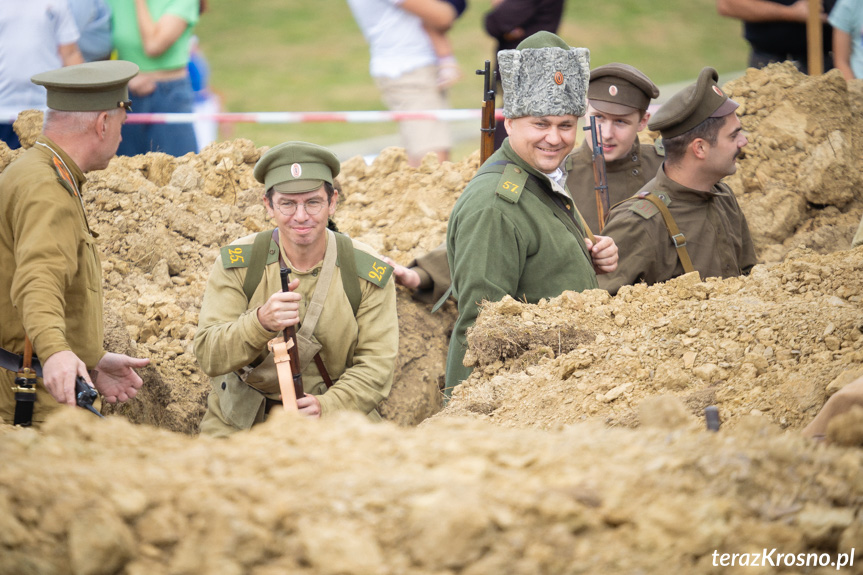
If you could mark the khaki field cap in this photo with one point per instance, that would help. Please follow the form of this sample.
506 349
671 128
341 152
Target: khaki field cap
297 167
543 76
90 87
692 105
620 89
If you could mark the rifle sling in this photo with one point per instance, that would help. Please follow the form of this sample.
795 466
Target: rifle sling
677 236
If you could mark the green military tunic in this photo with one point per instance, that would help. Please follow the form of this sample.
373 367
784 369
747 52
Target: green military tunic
358 352
716 232
511 234
50 286
625 176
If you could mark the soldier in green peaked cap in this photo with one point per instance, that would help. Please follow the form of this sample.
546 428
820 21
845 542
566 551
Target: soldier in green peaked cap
618 98
51 288
686 219
340 301
515 230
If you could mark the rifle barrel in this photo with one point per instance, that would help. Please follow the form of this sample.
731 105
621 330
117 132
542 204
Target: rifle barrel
290 334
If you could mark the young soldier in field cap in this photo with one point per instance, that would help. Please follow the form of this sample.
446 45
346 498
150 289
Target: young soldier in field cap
340 300
617 98
515 229
51 285
685 219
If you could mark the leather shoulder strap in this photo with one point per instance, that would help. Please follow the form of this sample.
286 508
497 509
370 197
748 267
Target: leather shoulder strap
676 235
257 260
348 267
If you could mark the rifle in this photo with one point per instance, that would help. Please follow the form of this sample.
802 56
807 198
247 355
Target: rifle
291 335
489 121
600 178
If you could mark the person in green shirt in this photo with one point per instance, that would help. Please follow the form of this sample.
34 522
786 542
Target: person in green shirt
156 35
515 230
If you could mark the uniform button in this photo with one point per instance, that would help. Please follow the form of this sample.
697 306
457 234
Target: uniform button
517 170
634 158
662 197
315 273
224 385
272 252
635 172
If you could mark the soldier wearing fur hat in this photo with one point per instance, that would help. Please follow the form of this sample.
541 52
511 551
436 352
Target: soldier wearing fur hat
617 98
515 230
685 219
51 285
341 300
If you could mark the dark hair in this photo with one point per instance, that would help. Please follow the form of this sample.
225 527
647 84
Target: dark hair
708 130
328 187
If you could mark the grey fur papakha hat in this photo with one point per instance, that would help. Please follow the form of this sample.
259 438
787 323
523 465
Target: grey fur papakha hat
543 76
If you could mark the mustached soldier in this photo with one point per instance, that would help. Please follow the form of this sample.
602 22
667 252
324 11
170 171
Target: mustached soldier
685 219
341 301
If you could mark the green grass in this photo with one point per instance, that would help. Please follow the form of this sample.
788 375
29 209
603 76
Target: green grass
308 56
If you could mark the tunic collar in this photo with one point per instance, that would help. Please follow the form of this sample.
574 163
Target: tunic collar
48 146
681 192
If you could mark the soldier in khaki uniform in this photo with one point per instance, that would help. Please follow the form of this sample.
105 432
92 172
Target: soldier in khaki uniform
617 98
685 219
341 301
51 285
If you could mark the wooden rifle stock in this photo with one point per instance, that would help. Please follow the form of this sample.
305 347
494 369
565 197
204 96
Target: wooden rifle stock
291 335
489 121
600 177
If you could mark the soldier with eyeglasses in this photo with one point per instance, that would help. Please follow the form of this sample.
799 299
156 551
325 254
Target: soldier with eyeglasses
340 300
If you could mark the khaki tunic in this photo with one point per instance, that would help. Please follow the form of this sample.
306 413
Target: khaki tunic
625 177
858 237
50 286
433 270
358 352
717 235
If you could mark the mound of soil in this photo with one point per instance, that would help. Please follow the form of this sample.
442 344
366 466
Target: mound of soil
577 446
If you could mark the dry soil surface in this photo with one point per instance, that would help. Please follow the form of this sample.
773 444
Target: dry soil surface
578 445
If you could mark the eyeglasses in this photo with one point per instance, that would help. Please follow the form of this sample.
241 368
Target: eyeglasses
313 207
125 104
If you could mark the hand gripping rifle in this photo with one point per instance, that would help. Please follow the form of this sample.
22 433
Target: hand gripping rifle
287 359
600 178
489 122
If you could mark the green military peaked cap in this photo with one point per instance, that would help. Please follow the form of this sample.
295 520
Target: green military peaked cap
297 167
692 105
89 87
620 89
543 76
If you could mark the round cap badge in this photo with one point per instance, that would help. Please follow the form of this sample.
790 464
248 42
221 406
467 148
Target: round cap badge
558 78
718 91
612 90
296 170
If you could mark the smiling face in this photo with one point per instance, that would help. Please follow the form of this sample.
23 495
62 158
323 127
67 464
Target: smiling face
542 142
619 133
301 228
